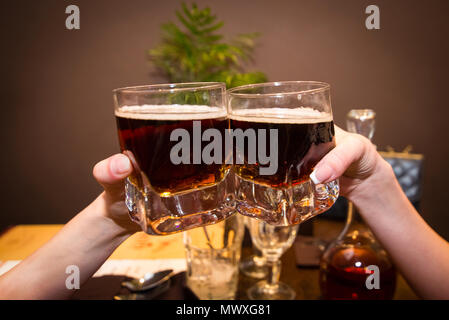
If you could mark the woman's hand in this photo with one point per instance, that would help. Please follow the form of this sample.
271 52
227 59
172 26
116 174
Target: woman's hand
111 174
354 161
86 241
369 182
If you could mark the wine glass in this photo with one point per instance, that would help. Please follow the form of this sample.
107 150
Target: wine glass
273 241
253 266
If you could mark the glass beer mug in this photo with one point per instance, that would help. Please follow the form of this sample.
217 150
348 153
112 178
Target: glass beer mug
164 130
288 128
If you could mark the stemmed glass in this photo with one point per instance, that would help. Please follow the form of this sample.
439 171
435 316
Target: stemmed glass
273 241
253 266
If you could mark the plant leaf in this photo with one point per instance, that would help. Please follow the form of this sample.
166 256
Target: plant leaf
195 51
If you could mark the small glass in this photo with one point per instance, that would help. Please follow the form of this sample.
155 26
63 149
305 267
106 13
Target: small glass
273 241
213 255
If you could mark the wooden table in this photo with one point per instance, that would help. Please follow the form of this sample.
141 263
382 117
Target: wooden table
20 241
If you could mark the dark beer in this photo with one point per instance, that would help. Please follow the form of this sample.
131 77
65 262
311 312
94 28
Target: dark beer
302 143
297 117
147 137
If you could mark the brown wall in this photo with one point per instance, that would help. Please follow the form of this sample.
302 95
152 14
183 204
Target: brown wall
57 117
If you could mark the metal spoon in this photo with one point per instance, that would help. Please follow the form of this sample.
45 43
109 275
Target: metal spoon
148 281
146 295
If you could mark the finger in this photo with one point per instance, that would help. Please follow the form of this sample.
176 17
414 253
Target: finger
338 160
111 172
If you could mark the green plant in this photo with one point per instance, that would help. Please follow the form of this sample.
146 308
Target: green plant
196 52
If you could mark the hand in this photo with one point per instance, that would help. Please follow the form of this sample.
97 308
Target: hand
111 174
354 161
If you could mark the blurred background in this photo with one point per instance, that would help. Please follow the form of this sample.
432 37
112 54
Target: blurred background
57 113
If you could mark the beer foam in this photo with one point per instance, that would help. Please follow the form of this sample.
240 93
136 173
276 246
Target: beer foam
281 115
171 112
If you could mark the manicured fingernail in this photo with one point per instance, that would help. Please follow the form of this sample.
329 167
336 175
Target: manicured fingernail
314 178
121 164
320 174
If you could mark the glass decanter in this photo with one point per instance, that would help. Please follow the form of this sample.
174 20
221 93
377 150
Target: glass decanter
347 262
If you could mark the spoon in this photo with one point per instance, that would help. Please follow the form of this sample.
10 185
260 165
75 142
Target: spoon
148 281
145 295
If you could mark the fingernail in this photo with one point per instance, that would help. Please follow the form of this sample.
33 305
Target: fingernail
121 165
320 174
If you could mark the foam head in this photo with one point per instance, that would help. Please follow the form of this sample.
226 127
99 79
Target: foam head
170 112
281 115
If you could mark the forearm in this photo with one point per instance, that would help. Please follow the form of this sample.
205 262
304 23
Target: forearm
420 253
86 242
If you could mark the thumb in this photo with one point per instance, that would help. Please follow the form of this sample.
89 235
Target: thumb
111 172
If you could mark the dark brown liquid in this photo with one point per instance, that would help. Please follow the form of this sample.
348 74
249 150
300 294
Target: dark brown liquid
300 148
344 276
149 142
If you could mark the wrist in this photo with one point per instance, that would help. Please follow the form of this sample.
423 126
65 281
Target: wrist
103 212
